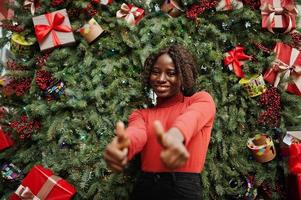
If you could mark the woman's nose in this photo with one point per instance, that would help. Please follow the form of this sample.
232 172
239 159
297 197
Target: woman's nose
162 77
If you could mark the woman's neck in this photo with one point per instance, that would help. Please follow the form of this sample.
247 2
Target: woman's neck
170 101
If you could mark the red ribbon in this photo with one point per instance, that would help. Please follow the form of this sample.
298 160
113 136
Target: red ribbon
295 158
228 4
55 24
234 57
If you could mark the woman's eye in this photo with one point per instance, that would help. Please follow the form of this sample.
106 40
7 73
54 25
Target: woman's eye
171 73
155 72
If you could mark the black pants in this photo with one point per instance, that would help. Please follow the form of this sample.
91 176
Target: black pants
167 186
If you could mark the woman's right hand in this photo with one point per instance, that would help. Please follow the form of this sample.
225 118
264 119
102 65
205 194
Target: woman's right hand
116 152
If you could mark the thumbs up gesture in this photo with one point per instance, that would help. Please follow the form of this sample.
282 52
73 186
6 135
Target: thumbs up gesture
174 153
116 152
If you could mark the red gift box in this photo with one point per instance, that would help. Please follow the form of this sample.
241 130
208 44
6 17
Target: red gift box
5 12
278 14
5 140
41 184
287 65
130 13
294 164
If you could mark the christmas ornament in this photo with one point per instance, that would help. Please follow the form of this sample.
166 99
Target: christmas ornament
196 9
251 192
41 183
171 8
20 44
55 91
130 13
24 128
277 14
43 79
235 58
262 148
255 85
5 140
10 172
91 30
53 30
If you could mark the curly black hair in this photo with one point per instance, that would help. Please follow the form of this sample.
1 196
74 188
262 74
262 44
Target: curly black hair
184 62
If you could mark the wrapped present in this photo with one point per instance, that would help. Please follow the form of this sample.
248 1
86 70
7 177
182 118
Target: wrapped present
5 11
130 13
225 5
20 44
91 30
262 148
31 5
10 172
5 140
286 67
234 59
171 8
278 14
40 183
254 85
53 30
105 2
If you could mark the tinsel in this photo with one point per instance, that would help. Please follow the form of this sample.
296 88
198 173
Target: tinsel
17 86
24 128
13 28
195 10
254 4
43 79
271 102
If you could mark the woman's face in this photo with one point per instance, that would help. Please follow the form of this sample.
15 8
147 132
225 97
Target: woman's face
164 78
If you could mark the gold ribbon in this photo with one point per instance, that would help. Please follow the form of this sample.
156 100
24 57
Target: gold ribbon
288 11
129 13
30 4
25 193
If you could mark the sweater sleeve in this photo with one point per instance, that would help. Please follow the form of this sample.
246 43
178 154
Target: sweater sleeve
136 132
196 116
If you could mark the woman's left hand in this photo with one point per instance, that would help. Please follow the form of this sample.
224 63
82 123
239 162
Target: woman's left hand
174 153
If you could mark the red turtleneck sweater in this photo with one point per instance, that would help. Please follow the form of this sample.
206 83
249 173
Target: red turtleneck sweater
193 116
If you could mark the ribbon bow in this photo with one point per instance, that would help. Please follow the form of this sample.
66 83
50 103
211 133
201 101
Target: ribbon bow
288 11
55 24
286 70
32 4
295 158
130 13
233 60
25 193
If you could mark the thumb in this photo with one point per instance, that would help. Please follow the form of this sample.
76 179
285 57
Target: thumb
122 139
158 128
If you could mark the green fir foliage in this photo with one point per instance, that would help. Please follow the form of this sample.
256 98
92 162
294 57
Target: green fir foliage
103 85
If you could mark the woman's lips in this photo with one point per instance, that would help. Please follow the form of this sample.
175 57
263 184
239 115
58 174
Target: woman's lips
161 88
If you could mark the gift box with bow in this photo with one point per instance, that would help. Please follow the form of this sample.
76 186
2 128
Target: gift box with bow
130 13
5 140
234 59
41 184
171 8
53 30
286 67
225 5
91 30
279 14
5 12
